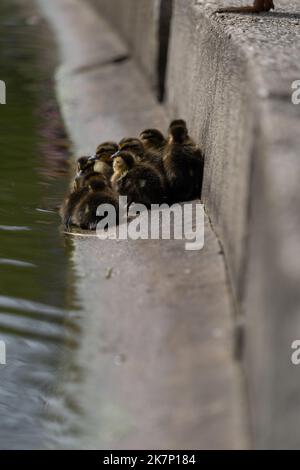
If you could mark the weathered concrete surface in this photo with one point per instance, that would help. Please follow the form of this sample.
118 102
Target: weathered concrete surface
230 77
137 22
144 24
157 338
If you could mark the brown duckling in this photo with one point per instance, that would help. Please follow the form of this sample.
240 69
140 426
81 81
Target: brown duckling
153 140
98 192
139 181
141 154
183 164
134 146
82 163
109 145
78 191
102 159
120 167
154 143
84 167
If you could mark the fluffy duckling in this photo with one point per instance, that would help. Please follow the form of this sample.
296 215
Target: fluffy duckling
154 142
141 154
183 163
84 167
98 192
139 181
102 159
109 145
134 146
77 192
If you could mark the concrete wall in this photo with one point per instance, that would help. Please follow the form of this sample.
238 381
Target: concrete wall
230 78
207 84
144 26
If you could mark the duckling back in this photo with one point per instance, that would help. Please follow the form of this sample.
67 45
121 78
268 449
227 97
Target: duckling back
69 204
75 196
183 164
142 184
85 213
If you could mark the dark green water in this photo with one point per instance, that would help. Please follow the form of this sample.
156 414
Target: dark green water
38 311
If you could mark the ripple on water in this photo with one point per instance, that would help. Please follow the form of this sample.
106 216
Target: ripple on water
15 262
14 228
38 320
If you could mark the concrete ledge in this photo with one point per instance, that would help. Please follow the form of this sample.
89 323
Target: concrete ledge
156 345
230 78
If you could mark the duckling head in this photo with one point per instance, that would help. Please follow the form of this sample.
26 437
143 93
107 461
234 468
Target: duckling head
152 138
104 152
107 147
123 161
84 167
178 122
132 145
101 162
178 132
83 163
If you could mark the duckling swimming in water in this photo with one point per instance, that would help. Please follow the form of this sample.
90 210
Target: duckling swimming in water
139 181
183 163
98 192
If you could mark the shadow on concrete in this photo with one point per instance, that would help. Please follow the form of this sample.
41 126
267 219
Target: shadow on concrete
283 14
267 15
166 10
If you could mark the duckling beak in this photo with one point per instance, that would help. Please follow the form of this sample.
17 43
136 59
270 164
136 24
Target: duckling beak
115 154
93 158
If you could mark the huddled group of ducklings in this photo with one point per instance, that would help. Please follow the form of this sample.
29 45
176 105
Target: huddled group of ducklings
148 170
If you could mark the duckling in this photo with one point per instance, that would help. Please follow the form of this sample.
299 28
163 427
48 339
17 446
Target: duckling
84 167
154 143
183 163
153 140
109 145
82 163
139 181
77 192
102 162
134 146
98 192
141 154
120 167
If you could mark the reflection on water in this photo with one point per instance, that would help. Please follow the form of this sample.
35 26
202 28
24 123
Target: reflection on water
39 318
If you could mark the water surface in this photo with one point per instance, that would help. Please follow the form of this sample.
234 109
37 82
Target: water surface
39 314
